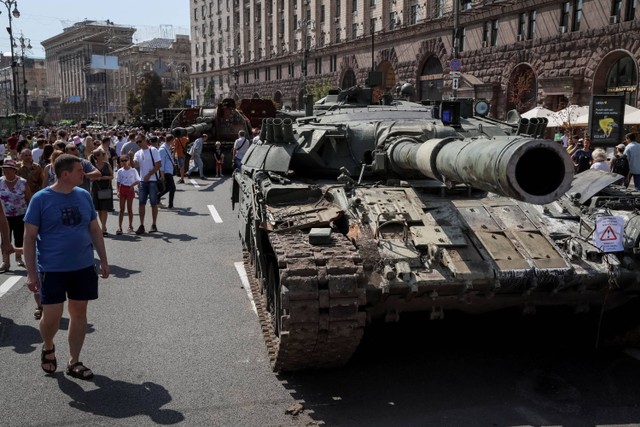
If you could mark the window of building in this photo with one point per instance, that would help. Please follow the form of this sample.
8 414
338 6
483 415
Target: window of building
393 16
279 72
256 74
622 78
195 14
521 23
373 3
616 9
565 13
292 70
466 4
333 63
486 25
439 12
267 73
318 65
495 24
414 16
338 38
577 15
372 25
354 5
245 77
630 13
531 27
322 14
354 31
337 14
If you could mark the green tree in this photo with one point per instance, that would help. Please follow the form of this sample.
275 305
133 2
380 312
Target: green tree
210 93
133 104
150 93
320 89
178 99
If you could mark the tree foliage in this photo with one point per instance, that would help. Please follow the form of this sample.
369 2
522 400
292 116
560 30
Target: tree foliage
522 91
150 93
320 89
178 99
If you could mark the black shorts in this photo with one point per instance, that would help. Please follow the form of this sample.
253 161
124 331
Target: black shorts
79 285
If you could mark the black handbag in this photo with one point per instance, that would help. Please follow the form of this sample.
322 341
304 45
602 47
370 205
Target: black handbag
160 182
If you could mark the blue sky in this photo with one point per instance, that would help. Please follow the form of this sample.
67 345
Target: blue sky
42 19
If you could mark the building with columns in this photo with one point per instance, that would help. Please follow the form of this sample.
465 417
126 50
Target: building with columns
170 59
76 90
513 53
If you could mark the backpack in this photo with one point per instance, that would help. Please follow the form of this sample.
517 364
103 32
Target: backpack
620 165
583 161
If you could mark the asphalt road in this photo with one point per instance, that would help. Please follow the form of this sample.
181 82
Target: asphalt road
173 339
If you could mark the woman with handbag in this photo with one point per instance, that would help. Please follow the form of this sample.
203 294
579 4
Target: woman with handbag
101 187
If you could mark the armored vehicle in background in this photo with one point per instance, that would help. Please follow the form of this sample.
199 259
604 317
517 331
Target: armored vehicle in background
222 123
365 211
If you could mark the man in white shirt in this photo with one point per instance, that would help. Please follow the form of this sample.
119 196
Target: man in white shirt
240 148
147 160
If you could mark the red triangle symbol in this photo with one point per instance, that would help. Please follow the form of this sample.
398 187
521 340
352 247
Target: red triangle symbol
608 234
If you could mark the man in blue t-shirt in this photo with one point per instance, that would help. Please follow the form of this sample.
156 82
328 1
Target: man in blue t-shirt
61 233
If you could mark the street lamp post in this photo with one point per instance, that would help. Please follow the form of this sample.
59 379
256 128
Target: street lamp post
24 44
15 14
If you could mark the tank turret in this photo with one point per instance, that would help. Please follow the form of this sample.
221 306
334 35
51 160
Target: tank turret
369 209
221 123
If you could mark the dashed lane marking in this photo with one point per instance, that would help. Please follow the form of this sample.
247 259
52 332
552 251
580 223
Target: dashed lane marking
245 283
8 284
194 183
214 214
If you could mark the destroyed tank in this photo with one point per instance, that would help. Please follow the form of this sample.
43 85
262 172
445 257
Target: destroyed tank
360 212
222 123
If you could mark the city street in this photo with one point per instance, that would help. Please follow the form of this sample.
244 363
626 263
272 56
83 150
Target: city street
174 339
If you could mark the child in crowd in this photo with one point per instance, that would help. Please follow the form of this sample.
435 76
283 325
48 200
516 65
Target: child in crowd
126 179
219 158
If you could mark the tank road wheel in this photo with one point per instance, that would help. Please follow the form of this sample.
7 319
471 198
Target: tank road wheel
310 314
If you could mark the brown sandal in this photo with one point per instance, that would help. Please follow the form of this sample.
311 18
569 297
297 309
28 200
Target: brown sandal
44 361
78 370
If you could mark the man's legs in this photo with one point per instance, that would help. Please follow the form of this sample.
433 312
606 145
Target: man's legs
141 212
199 165
49 325
77 328
636 181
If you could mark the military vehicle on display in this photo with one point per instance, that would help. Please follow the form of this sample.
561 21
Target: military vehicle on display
222 123
363 211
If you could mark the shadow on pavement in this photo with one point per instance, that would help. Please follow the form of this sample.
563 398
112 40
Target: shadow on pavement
23 338
494 370
119 399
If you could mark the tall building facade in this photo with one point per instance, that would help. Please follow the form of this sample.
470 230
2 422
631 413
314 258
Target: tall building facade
170 59
78 88
512 53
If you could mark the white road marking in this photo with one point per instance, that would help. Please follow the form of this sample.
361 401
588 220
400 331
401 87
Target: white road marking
8 284
194 183
245 282
214 214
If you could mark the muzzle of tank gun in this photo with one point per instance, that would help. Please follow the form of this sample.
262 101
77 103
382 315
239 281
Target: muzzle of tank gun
534 127
530 170
277 130
269 123
263 130
287 130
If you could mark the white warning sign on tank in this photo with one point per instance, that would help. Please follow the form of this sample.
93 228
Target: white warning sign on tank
608 233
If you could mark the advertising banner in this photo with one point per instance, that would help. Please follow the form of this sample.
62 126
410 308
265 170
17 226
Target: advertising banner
606 120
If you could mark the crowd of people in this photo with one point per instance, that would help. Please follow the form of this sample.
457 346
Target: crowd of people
623 160
56 193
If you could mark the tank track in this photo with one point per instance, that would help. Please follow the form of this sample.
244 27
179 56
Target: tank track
321 292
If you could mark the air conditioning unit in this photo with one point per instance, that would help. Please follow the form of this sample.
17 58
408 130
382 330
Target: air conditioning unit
562 29
520 37
485 43
613 19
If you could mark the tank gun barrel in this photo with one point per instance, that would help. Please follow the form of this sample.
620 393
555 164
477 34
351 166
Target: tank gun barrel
196 129
531 170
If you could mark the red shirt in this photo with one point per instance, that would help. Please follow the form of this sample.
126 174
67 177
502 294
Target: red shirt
12 142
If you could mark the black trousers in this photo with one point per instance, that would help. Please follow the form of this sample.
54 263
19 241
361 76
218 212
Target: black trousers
169 187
